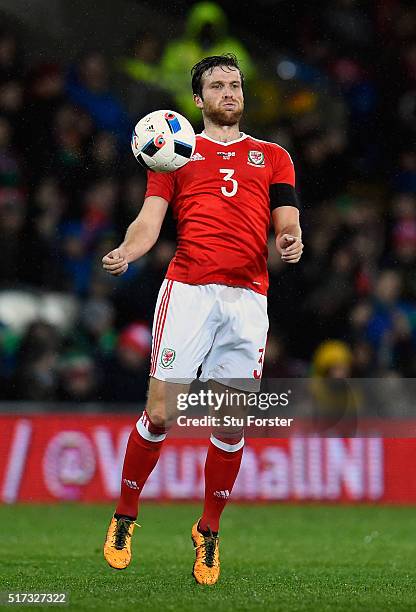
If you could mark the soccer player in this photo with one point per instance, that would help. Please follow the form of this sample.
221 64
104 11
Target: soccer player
212 307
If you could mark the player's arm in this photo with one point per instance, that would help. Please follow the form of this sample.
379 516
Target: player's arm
288 232
284 206
141 235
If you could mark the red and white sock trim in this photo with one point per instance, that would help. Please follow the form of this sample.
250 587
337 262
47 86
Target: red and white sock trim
229 448
148 431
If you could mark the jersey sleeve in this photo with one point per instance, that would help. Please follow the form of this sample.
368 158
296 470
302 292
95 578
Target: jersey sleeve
160 184
283 168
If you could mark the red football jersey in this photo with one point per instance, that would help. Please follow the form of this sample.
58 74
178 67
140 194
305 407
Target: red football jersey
220 200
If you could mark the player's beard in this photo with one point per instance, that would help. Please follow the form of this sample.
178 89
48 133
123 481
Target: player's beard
220 116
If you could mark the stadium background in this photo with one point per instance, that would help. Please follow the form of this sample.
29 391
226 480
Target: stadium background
335 83
319 523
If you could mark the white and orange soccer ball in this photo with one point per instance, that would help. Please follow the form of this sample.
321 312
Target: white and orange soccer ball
163 141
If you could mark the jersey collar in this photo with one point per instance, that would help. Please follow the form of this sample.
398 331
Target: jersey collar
224 144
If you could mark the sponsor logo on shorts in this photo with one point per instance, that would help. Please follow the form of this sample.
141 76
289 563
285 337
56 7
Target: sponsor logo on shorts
255 158
167 357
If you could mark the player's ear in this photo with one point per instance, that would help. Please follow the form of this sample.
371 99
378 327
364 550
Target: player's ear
198 101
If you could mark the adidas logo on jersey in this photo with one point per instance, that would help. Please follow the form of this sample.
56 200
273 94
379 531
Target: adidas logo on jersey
222 494
197 157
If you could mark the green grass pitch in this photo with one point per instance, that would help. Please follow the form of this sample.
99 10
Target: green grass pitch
274 557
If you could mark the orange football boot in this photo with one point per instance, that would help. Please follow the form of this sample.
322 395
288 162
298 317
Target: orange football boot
207 563
117 545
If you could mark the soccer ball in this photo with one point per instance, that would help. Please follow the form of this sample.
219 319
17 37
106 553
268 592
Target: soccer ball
163 141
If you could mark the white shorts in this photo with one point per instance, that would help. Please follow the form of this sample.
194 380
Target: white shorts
222 329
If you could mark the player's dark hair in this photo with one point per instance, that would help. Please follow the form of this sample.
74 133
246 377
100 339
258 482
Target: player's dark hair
208 63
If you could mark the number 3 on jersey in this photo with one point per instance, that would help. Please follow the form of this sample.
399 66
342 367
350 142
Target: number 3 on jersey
234 184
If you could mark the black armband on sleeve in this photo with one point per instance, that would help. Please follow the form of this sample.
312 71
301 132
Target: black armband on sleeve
282 194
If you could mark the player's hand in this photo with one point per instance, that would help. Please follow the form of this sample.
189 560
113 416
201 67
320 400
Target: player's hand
290 248
115 262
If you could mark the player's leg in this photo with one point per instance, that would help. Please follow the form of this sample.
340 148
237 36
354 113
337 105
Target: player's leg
142 453
234 363
222 465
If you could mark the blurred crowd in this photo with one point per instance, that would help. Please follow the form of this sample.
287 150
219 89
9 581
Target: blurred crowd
341 99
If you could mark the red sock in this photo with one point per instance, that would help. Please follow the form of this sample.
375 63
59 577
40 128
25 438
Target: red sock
221 469
142 453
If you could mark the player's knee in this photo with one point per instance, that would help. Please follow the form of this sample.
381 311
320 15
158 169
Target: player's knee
159 419
158 413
